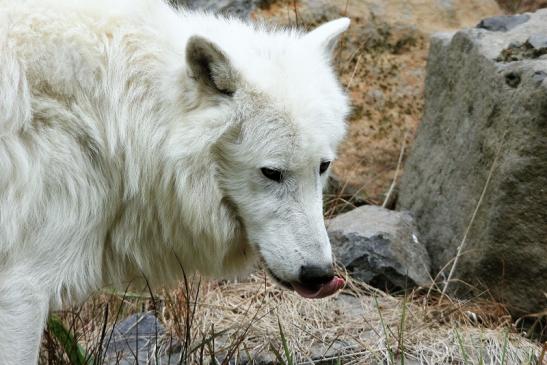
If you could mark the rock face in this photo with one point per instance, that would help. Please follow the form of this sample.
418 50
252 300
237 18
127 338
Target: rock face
240 8
380 247
485 111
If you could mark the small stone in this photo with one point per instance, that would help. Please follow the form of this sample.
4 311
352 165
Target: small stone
503 23
380 247
137 335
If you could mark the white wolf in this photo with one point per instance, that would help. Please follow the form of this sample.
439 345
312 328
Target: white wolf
136 138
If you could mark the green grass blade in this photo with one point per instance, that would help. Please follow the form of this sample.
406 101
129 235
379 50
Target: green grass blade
206 341
462 347
277 355
75 352
505 345
288 353
401 332
481 348
386 334
250 358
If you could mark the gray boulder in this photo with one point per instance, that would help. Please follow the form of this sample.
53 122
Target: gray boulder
486 111
380 247
134 340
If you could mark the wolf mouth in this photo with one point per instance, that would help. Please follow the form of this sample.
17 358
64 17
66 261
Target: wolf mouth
318 292
280 281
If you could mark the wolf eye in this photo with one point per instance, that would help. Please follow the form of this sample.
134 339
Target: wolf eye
272 174
324 166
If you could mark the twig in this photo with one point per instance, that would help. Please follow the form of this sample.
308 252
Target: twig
295 13
464 239
542 356
394 181
353 73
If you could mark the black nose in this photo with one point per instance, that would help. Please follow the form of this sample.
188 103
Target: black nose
314 276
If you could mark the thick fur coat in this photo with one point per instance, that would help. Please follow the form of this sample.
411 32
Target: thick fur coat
136 139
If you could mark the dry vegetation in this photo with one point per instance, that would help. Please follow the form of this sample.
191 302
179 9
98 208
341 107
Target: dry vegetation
255 319
382 68
384 75
519 6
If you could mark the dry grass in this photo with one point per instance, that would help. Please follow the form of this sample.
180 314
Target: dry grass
238 320
520 6
373 328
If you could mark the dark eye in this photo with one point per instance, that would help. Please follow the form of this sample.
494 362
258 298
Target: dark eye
272 174
324 166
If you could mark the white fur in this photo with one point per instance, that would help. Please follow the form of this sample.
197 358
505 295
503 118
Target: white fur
115 162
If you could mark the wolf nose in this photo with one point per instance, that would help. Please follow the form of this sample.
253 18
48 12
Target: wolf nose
314 276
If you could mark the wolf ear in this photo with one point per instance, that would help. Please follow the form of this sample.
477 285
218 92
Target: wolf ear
210 66
326 36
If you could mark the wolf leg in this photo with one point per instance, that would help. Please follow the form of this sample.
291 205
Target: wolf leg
23 312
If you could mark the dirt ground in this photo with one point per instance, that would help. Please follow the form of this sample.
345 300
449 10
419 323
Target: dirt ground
518 6
385 84
382 69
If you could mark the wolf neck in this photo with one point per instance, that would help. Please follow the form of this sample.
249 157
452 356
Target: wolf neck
172 202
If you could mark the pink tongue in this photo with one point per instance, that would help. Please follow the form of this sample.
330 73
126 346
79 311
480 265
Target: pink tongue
324 291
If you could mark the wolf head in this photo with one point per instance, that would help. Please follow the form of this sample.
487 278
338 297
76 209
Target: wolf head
283 113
